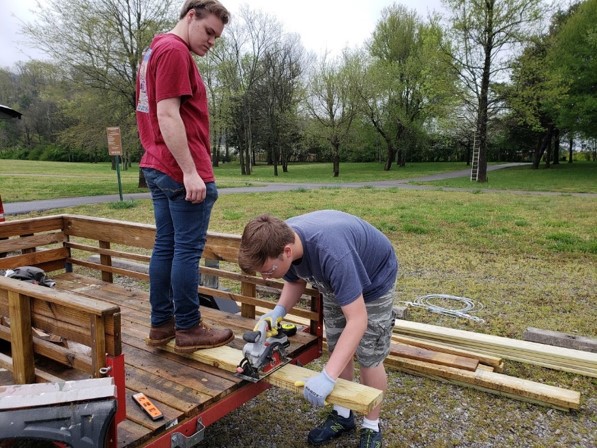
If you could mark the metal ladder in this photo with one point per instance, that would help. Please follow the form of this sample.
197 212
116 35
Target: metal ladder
475 161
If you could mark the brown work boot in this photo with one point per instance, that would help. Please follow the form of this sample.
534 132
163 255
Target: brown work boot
201 336
161 334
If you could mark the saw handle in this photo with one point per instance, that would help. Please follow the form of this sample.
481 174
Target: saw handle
252 336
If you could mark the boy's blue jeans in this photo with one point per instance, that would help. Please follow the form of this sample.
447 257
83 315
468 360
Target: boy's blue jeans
181 232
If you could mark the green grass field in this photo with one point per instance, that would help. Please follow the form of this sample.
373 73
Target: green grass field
30 180
578 177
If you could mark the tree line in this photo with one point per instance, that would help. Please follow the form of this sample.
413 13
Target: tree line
513 79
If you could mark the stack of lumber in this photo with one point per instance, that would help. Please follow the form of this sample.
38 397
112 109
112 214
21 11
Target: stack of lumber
558 358
472 369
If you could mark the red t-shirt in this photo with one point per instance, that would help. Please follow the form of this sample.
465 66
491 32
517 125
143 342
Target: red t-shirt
168 71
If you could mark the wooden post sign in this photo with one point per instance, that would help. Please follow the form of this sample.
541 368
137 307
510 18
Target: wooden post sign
115 149
114 141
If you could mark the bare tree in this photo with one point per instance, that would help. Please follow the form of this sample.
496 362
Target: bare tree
279 92
249 37
407 81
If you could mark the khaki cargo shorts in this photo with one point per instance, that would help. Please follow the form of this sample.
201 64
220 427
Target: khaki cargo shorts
375 344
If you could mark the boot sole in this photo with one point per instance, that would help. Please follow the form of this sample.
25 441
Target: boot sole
158 342
193 348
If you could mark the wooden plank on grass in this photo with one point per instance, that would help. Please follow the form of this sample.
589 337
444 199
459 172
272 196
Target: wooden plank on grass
351 395
493 382
560 339
422 354
494 361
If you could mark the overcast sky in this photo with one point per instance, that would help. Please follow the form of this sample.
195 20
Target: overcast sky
325 25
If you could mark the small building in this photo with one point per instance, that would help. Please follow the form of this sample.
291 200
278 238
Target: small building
6 113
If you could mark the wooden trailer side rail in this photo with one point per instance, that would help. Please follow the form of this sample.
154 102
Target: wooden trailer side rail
62 242
116 240
26 308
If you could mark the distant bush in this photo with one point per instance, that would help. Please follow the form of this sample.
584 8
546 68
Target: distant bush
13 153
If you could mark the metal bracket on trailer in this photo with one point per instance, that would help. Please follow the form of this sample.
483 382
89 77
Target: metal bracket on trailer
179 440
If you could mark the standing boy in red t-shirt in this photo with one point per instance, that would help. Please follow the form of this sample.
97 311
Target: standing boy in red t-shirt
173 123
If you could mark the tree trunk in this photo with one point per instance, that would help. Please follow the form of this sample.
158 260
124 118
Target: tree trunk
540 149
556 147
241 159
482 125
284 152
401 158
142 183
571 144
548 147
483 97
390 154
336 160
215 150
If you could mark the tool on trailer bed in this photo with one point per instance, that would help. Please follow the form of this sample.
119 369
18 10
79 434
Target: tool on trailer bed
265 349
150 409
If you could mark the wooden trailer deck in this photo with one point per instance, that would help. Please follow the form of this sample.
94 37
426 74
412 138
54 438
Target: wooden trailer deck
98 324
179 386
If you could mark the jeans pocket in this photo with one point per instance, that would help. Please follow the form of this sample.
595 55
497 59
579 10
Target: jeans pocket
172 189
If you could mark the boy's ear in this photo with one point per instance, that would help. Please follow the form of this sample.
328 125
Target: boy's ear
287 250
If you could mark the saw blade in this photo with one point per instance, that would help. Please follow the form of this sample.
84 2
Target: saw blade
263 373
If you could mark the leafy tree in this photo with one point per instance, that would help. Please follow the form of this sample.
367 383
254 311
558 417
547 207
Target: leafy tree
98 45
407 81
533 88
485 36
573 59
36 89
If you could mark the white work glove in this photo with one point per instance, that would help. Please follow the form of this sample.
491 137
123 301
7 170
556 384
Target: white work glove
274 316
318 388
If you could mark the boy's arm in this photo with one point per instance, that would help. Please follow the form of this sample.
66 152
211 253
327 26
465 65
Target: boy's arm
317 388
174 133
291 293
356 325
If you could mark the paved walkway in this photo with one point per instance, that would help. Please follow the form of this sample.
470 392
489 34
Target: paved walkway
15 208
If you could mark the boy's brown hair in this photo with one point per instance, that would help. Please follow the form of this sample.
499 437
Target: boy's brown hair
263 237
204 7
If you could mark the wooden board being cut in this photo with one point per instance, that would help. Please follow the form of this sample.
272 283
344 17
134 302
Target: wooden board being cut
351 395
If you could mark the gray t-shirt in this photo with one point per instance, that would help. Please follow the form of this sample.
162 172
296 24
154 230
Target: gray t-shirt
343 255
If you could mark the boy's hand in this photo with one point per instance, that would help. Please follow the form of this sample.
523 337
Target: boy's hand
274 316
318 388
